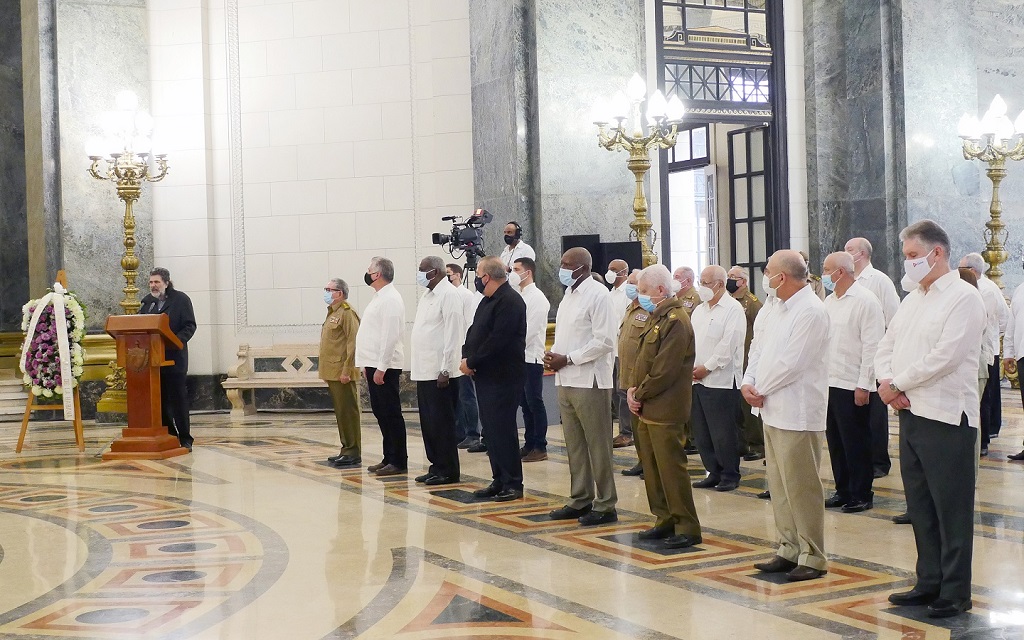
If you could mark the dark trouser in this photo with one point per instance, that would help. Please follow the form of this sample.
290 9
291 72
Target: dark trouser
714 431
879 418
386 405
937 463
620 406
345 397
535 414
1020 367
467 417
499 402
991 404
174 404
750 430
437 423
848 432
660 447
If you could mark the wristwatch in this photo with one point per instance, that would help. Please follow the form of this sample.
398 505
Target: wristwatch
444 372
894 388
568 359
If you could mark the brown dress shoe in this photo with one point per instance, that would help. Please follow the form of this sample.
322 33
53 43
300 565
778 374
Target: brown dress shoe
374 467
802 573
778 564
622 440
389 470
535 455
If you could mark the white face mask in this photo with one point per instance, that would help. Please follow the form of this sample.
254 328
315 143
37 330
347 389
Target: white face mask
610 277
766 284
705 294
917 269
514 279
908 284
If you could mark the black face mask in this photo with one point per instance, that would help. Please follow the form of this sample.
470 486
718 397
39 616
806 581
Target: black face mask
510 240
731 286
368 279
479 282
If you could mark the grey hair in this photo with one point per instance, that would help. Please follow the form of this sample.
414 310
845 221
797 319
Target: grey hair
492 267
384 266
842 260
793 265
164 275
434 262
928 233
865 246
687 272
718 273
976 263
657 275
340 285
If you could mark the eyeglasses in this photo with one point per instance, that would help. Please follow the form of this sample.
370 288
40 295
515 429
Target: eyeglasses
709 285
335 290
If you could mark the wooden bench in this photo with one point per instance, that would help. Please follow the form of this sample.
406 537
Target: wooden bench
276 367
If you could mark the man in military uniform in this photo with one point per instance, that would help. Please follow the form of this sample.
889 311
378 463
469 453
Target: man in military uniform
337 368
813 280
630 329
659 395
751 430
687 292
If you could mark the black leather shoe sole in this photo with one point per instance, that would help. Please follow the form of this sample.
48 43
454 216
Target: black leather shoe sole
943 608
568 513
765 495
1016 456
912 598
507 495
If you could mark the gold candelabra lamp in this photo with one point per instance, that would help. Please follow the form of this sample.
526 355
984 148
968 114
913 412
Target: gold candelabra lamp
993 140
124 154
621 128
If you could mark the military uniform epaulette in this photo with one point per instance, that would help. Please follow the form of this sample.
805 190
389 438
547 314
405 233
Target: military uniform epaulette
751 296
345 306
814 277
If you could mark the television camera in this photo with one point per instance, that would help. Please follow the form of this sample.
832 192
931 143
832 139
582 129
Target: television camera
465 238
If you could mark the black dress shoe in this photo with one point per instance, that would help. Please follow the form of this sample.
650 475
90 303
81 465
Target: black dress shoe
523 451
878 473
802 573
635 470
690 449
333 458
507 495
765 495
835 500
727 485
778 564
437 480
752 456
569 513
487 492
657 533
345 462
1016 456
681 541
912 598
984 452
946 608
903 518
188 446
424 477
479 447
706 483
595 518
856 506
468 442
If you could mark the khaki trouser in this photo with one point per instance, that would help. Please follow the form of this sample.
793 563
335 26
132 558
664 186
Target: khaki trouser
587 428
660 447
345 397
798 499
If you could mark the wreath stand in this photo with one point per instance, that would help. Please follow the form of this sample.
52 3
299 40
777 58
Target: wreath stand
30 404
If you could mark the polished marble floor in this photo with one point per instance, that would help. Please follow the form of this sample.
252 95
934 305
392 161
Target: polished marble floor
253 536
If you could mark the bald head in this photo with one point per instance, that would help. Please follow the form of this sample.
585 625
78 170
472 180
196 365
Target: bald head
860 250
618 266
787 273
838 260
713 274
578 257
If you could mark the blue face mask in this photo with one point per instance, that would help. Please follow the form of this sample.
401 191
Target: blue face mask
565 276
630 291
422 279
328 297
645 301
826 281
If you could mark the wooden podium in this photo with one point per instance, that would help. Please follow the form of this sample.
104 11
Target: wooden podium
141 340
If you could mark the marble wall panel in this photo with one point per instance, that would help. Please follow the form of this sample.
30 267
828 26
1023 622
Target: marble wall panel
102 48
14 290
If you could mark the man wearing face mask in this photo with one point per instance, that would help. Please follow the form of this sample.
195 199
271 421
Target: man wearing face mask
467 415
535 414
659 395
616 276
751 443
495 356
787 383
856 324
515 247
581 356
380 352
435 352
687 293
879 284
337 368
719 327
631 328
927 368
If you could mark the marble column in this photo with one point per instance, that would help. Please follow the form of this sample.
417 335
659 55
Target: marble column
102 48
13 228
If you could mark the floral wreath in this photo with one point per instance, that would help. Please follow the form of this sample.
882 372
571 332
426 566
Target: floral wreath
52 357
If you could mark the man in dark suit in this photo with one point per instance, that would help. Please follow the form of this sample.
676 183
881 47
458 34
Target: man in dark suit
495 355
164 298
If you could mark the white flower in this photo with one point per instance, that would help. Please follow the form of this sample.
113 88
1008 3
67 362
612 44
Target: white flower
58 389
27 379
47 393
37 391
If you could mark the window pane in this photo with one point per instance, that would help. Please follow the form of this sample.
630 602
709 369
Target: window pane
683 146
758 204
757 150
740 198
760 242
739 153
742 243
700 142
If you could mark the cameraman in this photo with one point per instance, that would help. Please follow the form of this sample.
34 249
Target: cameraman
515 248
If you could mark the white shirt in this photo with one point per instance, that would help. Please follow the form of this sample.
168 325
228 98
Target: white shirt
856 324
470 301
1013 341
620 302
996 316
719 333
879 284
585 329
788 363
509 254
382 331
537 309
932 348
438 333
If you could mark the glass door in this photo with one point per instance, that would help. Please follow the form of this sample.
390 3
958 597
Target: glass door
750 215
